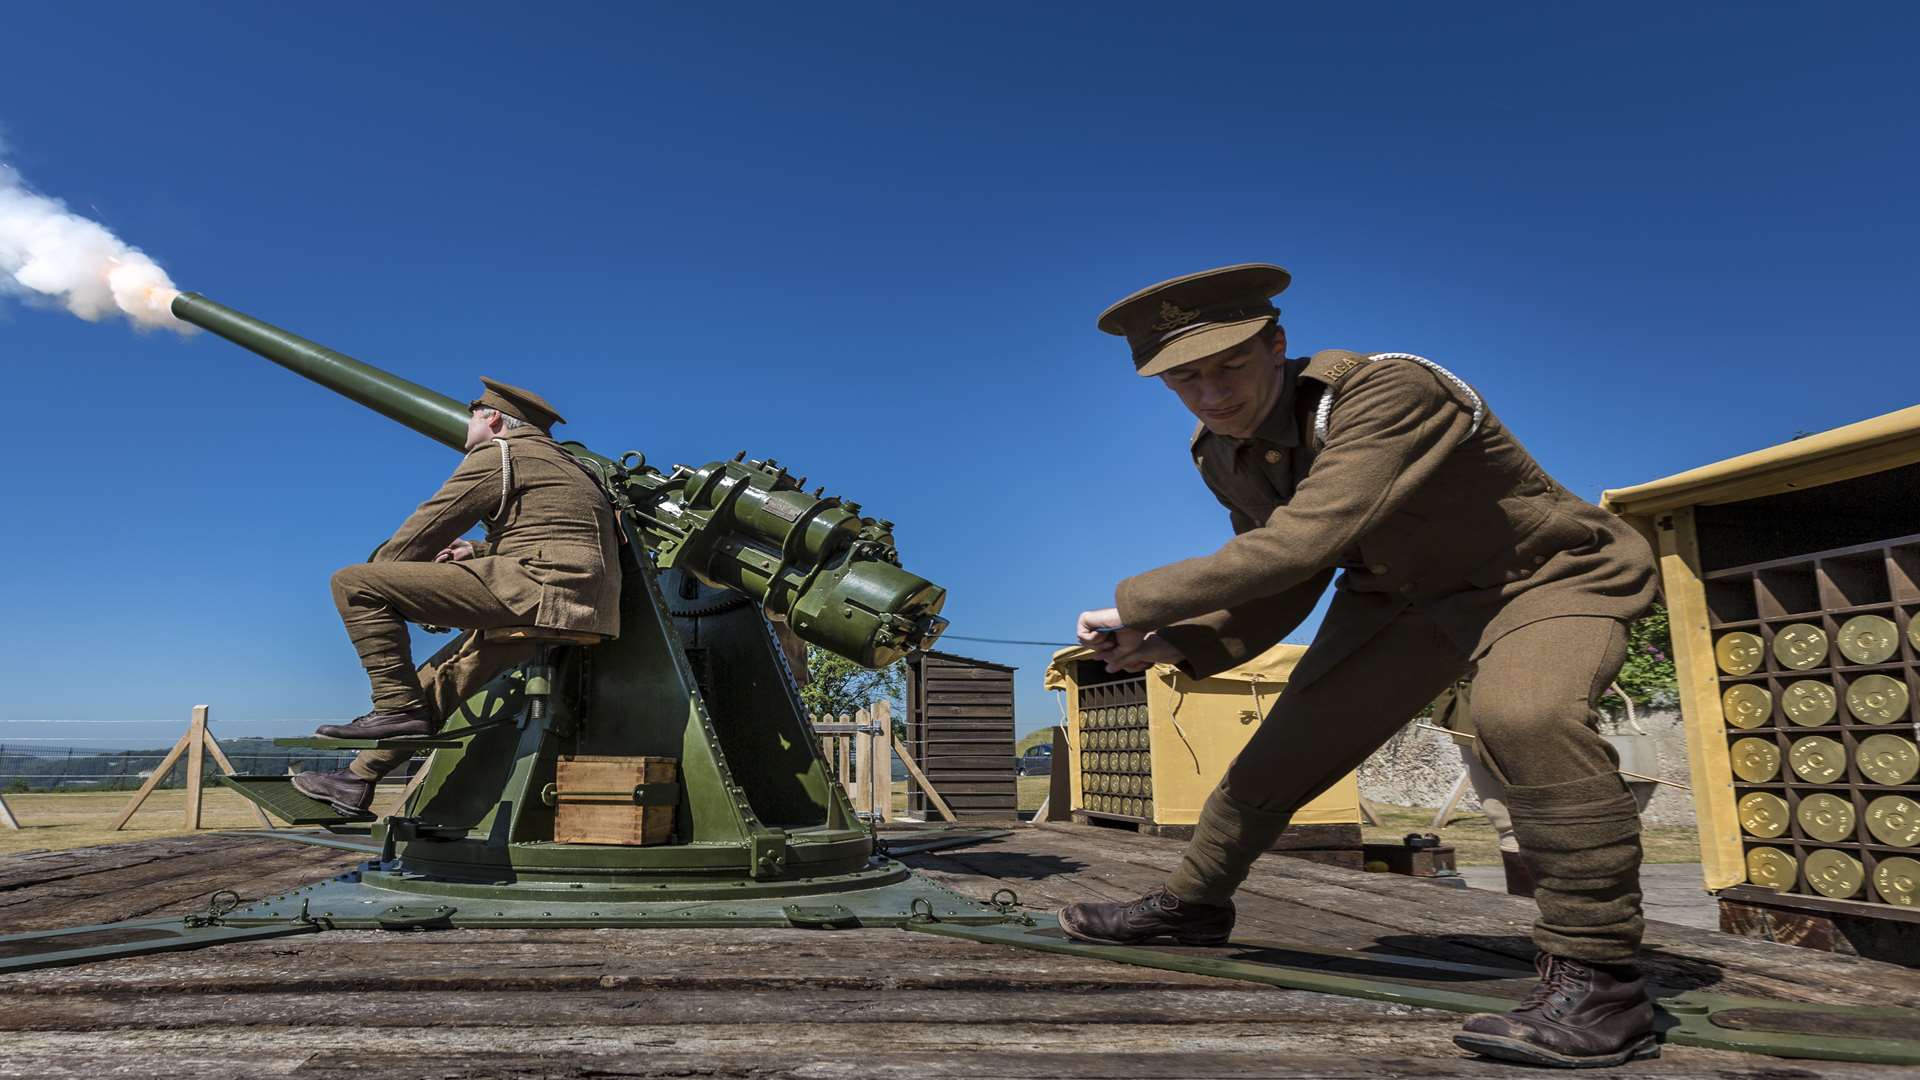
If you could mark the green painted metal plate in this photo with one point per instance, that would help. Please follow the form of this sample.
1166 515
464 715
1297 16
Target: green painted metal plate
351 901
1754 1025
109 941
277 796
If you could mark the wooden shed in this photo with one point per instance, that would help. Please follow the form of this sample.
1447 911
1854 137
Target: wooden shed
1792 575
960 730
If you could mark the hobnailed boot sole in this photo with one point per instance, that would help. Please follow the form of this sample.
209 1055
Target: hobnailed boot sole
346 810
1502 1048
1066 924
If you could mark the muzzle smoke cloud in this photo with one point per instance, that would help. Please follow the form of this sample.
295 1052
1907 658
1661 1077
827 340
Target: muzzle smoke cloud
49 253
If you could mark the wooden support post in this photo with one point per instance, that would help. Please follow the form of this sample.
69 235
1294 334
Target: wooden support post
220 758
843 766
1368 814
196 764
6 814
862 789
882 757
1452 800
913 768
153 780
1059 802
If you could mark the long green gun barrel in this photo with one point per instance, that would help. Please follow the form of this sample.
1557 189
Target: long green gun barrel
814 562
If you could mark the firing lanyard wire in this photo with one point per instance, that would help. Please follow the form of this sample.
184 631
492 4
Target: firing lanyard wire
1011 641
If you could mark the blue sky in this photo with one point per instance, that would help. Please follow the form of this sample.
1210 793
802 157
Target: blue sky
871 241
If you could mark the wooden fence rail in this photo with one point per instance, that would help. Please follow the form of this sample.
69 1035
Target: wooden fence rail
859 751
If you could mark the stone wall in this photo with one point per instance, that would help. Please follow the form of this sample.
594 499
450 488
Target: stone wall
1418 767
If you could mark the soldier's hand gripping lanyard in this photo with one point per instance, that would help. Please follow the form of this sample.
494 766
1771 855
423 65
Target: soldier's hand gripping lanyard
1325 409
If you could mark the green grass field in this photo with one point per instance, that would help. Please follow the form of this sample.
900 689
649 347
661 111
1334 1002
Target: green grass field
81 820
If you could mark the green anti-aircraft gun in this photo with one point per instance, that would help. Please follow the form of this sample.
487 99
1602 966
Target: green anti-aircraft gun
762 834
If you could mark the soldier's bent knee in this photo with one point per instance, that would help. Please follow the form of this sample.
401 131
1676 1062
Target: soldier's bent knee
348 580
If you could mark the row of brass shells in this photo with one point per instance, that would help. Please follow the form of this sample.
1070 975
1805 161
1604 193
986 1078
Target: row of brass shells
1872 699
1118 739
1864 639
1126 761
1896 880
1113 716
1893 820
1114 804
1116 784
1883 759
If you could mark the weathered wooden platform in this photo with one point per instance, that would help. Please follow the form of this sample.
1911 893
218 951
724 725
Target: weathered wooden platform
798 1003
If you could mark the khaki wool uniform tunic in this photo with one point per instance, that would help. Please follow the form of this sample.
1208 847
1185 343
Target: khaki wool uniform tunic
550 559
1457 555
1417 512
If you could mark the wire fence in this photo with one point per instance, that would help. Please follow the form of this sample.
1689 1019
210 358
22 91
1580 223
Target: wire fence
36 768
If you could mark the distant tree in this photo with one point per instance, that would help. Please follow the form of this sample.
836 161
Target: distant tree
1648 676
838 685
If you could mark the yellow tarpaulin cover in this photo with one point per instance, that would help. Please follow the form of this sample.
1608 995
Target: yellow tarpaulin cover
1197 726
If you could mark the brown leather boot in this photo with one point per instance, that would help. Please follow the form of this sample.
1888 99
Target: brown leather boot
342 790
1519 877
1579 1016
1156 915
383 725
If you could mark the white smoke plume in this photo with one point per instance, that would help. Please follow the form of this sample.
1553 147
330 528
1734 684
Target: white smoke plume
48 252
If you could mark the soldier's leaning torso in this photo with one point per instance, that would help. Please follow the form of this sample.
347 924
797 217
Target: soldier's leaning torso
552 547
1490 542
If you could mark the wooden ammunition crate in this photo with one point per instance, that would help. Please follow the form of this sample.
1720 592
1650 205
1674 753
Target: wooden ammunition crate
1147 749
1775 559
615 800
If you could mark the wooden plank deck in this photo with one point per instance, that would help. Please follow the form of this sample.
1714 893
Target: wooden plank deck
796 1003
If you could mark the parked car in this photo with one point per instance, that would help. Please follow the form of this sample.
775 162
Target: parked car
1037 761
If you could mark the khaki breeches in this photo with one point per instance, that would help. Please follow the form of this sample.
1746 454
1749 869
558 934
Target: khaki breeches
378 600
1533 696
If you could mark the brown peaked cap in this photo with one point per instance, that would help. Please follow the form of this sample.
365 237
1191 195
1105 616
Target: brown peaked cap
1179 321
517 403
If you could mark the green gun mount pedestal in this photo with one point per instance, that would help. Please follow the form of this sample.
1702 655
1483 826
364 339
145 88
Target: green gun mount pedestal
762 834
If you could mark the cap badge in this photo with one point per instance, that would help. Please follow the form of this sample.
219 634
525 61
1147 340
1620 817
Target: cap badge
1173 318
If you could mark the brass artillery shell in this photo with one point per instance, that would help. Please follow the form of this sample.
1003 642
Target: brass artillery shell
1818 759
1809 703
1897 880
1755 760
1800 646
1747 705
1835 873
1772 867
1894 820
1869 639
1888 759
1739 653
1827 818
1877 699
1763 815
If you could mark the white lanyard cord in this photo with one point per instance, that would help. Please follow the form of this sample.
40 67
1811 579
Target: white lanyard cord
1325 408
